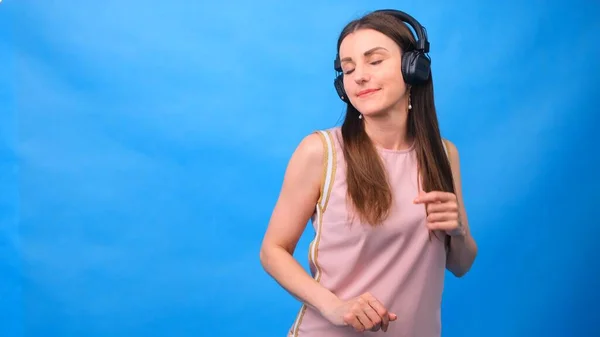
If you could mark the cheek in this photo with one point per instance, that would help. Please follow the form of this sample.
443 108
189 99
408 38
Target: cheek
349 84
394 83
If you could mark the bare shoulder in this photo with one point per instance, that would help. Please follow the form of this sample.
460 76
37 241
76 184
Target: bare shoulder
306 163
309 151
452 151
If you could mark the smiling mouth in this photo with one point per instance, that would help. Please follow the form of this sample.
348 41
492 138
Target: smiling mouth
367 92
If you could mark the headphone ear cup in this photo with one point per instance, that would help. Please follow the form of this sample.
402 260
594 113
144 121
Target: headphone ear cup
338 83
416 67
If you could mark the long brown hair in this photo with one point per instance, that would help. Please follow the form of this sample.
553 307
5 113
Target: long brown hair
368 187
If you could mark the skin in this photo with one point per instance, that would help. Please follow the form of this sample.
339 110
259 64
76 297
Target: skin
384 113
372 61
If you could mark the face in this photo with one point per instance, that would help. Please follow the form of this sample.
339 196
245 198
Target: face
371 63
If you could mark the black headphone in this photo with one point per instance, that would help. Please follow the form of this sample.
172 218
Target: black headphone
416 64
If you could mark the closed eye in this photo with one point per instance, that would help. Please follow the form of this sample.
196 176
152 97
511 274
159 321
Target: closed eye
372 63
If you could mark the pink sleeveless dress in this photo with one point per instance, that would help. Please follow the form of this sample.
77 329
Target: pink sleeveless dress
397 262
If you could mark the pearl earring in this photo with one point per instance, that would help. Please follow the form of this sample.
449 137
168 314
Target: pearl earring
360 116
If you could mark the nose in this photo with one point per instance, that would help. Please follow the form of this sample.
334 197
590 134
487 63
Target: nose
361 75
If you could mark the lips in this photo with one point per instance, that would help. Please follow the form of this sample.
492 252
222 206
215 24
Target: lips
366 92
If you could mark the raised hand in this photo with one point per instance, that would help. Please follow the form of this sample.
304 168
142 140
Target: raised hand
442 209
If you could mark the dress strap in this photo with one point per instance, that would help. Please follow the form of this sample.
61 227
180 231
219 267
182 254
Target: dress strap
329 167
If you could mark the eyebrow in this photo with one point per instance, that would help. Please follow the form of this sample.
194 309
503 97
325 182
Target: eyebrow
367 53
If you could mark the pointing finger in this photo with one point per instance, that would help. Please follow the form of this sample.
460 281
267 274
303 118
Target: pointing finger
434 196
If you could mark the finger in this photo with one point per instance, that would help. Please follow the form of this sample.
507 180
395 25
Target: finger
365 313
374 318
380 310
442 207
440 217
353 321
442 225
434 196
365 322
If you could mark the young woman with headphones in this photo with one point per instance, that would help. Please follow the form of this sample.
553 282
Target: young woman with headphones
383 192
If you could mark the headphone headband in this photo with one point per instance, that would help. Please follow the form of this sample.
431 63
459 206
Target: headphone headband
422 40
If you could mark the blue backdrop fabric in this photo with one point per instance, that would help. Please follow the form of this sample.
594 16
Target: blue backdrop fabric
143 145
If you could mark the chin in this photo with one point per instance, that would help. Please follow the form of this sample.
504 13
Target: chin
371 108
375 107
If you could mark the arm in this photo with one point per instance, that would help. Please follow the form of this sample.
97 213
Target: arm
296 204
463 248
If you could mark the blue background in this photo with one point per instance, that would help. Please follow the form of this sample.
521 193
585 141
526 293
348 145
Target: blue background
143 145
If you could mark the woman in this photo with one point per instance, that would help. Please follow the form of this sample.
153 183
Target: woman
383 192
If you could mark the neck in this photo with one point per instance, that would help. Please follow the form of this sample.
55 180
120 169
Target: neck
388 130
